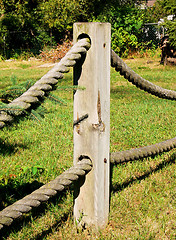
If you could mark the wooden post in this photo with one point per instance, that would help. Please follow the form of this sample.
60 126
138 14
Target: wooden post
91 136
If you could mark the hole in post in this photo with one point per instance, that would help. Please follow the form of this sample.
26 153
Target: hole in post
84 35
81 157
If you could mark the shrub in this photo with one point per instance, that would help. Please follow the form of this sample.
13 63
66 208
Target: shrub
171 31
126 26
123 42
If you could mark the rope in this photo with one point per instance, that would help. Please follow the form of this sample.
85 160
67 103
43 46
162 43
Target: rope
138 81
143 152
36 93
131 76
14 211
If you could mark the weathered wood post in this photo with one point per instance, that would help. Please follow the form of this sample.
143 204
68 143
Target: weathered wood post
91 136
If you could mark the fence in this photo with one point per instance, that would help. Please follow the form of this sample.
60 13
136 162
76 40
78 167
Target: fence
152 34
90 56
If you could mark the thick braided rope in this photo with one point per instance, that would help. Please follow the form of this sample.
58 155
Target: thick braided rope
9 214
147 151
138 81
36 93
143 152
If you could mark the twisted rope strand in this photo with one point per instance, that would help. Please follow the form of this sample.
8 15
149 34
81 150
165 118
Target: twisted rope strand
16 210
147 151
35 93
138 81
143 152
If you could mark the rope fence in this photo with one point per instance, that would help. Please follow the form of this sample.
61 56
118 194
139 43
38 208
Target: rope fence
152 150
35 94
44 193
143 152
138 81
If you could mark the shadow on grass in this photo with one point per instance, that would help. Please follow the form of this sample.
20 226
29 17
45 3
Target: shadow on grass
58 223
60 198
8 148
40 211
119 187
13 192
133 93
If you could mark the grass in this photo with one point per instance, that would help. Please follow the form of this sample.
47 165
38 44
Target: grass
142 203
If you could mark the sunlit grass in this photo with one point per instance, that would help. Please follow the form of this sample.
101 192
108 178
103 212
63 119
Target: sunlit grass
142 193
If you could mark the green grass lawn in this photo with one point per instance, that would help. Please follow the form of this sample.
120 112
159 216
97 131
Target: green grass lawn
142 202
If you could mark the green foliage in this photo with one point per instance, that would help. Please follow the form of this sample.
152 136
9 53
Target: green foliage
171 31
38 114
9 109
126 23
8 94
169 6
20 21
161 9
35 24
32 171
123 42
59 14
56 99
142 192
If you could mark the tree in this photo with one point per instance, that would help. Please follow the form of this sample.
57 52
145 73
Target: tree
35 20
161 9
20 21
171 31
126 20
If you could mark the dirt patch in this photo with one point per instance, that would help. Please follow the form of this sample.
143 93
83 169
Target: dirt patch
45 65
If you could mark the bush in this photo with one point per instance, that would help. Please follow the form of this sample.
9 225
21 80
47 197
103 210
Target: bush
171 31
123 43
126 26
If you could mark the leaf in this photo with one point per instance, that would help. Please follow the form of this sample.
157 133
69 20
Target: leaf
25 169
37 115
28 84
56 99
34 170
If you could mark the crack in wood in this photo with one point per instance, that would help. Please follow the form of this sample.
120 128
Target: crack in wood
100 125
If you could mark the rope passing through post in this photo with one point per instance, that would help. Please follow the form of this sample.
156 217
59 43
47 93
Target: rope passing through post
46 84
76 122
16 210
34 94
